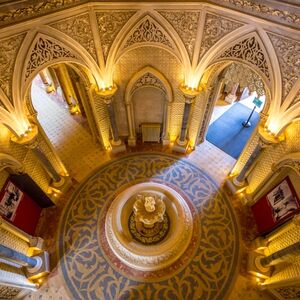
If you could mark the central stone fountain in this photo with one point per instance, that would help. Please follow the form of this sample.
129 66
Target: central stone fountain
148 226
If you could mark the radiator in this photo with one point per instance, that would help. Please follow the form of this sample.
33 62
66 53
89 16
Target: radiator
151 132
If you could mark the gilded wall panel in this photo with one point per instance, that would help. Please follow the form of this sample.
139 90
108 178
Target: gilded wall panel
79 29
8 52
109 25
288 53
215 28
186 25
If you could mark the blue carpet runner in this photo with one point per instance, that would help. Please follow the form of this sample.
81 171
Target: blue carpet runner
228 133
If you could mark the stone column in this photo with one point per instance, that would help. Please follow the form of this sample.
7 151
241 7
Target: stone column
30 141
189 97
131 127
238 183
107 95
54 78
35 266
46 80
17 257
282 255
167 113
67 87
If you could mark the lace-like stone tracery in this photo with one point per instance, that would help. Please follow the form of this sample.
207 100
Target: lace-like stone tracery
109 25
215 28
148 79
148 32
288 53
45 50
249 50
79 29
8 53
186 25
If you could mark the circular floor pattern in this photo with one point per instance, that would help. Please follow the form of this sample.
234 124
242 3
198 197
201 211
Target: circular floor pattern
204 272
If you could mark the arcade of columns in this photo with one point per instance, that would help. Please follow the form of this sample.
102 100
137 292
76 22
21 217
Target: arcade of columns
86 96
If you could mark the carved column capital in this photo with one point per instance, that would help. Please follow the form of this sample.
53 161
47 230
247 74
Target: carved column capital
107 94
265 138
29 138
189 94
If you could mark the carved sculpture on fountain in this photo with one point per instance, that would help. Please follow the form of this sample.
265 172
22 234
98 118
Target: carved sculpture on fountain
288 53
45 50
79 29
109 25
8 53
186 25
215 28
148 31
137 226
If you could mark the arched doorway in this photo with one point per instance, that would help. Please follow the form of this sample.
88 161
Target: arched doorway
59 99
236 101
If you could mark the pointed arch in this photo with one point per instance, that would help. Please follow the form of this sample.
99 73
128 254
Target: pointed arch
43 48
163 83
160 34
7 161
148 77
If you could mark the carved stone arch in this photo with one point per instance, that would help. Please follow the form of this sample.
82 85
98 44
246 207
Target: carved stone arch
249 50
152 30
291 161
10 163
46 47
245 45
117 49
215 70
148 77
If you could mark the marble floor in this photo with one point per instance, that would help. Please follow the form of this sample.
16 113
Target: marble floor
207 161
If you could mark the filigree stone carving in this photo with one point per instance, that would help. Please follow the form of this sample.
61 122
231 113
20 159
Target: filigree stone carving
109 25
288 163
79 29
265 10
249 50
148 79
45 50
289 292
186 25
215 28
33 9
8 53
7 292
295 100
288 53
148 31
239 73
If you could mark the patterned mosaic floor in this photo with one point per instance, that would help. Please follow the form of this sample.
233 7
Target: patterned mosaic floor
208 272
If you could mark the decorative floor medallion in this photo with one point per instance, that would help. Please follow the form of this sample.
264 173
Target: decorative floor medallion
148 226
